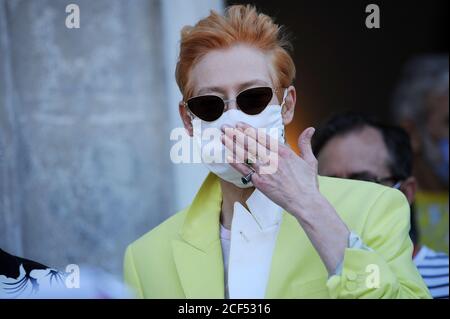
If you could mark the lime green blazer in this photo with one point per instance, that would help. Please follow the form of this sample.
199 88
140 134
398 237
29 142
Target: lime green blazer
182 257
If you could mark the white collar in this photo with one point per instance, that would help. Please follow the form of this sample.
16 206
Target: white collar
253 238
265 212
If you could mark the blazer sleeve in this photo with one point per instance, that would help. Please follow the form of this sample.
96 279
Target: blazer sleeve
130 275
388 271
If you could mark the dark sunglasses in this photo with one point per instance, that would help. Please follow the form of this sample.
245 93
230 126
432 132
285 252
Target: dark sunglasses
367 177
210 107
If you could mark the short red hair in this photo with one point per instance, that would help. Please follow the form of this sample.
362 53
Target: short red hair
239 25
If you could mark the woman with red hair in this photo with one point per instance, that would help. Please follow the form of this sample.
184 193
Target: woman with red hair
264 224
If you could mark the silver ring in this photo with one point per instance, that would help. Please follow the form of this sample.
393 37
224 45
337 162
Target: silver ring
247 179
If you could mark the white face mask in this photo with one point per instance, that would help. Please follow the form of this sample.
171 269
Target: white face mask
270 119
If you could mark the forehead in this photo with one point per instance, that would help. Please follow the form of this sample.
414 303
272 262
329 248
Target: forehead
360 151
227 68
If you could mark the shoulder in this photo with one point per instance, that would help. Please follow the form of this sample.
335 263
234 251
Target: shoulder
359 202
160 236
344 185
347 189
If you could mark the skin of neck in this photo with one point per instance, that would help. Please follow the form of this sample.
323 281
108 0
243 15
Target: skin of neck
230 195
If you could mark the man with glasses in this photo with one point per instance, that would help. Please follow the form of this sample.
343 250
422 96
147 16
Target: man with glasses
357 147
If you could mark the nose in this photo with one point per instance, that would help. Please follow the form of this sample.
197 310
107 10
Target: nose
230 104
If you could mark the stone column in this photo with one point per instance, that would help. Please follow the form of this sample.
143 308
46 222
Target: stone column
10 141
85 120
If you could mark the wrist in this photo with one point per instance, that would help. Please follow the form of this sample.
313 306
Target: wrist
312 204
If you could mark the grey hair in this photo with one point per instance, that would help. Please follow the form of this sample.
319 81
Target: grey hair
423 76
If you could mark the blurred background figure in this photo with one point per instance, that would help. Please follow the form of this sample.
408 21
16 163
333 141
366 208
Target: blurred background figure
353 146
421 107
22 279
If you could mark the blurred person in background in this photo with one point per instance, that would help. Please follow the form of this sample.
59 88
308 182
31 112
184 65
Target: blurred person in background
354 146
421 107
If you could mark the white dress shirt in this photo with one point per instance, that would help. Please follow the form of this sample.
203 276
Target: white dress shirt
248 252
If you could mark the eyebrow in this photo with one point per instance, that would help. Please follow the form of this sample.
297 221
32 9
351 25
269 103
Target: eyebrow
240 87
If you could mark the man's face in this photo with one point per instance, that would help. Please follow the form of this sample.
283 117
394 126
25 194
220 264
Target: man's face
360 155
438 117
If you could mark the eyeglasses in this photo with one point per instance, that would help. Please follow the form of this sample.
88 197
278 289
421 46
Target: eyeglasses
395 181
250 101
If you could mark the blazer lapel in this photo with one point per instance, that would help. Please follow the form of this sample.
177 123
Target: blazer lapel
200 272
198 253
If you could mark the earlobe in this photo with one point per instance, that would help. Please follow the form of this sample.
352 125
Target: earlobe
288 108
409 188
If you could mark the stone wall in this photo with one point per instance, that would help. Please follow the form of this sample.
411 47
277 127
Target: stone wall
84 129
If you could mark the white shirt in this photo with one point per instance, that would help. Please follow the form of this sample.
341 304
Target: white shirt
433 267
247 253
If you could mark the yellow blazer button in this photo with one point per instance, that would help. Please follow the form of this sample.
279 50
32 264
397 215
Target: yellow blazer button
351 275
351 285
